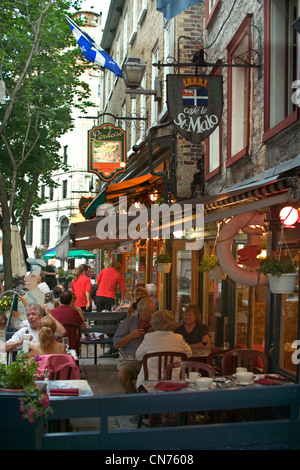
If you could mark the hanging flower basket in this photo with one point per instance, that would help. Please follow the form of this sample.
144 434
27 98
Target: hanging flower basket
281 272
285 284
164 263
216 274
164 267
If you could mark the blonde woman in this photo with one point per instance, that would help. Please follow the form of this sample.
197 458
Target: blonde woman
161 339
194 332
47 343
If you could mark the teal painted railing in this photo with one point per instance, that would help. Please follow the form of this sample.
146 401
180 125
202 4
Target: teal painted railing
275 426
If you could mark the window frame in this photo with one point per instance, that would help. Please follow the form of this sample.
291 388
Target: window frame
270 132
237 39
209 174
210 13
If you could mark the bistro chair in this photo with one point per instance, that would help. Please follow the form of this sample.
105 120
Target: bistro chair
172 419
214 359
74 335
59 367
188 366
255 361
163 359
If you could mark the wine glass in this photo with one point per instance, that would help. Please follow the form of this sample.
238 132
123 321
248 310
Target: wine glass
204 342
65 341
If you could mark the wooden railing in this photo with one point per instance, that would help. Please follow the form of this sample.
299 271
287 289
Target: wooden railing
277 427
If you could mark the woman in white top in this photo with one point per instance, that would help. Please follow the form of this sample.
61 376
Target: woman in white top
161 339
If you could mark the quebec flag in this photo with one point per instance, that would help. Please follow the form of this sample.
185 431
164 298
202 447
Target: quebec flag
195 96
92 51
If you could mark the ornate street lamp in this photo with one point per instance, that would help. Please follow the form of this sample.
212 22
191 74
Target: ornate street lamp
133 71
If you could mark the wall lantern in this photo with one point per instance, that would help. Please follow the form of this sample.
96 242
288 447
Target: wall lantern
289 216
133 71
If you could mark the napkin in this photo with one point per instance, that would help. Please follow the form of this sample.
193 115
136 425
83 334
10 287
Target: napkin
267 382
170 386
64 391
272 377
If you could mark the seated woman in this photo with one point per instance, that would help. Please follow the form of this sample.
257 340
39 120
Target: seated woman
47 343
193 331
139 293
161 339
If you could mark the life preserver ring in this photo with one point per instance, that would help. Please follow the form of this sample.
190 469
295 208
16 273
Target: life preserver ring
224 249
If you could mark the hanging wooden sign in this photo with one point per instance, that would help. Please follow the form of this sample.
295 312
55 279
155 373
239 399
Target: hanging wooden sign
195 104
106 151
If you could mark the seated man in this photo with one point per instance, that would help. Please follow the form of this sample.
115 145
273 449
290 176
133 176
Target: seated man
34 313
67 313
128 337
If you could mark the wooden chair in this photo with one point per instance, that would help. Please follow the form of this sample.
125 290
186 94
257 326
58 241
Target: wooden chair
188 366
74 335
214 359
250 358
163 359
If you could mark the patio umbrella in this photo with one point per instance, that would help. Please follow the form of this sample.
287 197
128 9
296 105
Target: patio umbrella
18 262
78 254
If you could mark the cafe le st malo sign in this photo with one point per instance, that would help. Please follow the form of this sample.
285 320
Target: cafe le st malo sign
106 151
195 104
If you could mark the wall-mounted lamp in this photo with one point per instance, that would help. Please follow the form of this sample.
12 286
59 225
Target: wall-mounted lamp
133 71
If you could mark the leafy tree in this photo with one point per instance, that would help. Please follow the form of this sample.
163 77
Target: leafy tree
41 68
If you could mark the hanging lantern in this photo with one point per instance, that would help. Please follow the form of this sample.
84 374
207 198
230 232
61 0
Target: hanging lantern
289 216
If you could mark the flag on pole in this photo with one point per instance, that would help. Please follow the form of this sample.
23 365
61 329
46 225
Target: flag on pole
171 8
92 51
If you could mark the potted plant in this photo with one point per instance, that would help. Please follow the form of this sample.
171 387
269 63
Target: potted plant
163 262
210 264
20 376
281 272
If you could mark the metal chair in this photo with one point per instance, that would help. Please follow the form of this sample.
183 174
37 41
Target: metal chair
188 366
163 359
214 359
172 419
250 358
74 335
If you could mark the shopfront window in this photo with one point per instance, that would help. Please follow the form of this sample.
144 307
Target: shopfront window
289 326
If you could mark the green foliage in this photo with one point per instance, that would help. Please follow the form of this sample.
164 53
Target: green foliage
5 303
163 258
277 266
207 264
20 374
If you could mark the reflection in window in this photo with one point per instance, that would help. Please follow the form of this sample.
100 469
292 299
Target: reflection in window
289 325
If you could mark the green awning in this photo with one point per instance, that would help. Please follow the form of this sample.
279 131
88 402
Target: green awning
78 254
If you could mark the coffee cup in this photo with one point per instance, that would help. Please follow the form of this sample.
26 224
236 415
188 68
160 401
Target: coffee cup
26 337
244 377
193 376
204 383
241 369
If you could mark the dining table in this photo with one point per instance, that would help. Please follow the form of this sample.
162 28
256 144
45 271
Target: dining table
230 382
64 389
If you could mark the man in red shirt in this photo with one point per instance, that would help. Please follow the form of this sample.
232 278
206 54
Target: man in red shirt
67 313
108 280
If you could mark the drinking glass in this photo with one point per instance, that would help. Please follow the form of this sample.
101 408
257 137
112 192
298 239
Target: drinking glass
204 342
65 341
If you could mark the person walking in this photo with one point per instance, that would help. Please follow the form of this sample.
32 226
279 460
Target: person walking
108 280
81 286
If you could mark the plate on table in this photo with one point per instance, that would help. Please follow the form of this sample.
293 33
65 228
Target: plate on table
239 383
